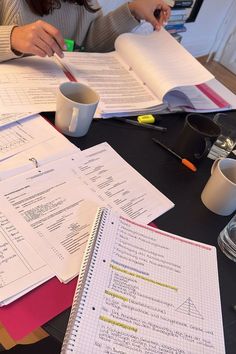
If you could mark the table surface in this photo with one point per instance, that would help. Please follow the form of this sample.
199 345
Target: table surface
189 218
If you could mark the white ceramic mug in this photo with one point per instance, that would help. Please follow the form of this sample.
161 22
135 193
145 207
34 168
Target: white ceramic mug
219 194
75 107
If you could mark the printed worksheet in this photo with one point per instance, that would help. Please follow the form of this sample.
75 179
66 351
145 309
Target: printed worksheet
22 269
59 200
29 85
23 135
51 201
120 186
6 119
22 147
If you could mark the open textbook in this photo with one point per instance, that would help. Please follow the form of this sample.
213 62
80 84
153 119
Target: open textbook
143 290
48 207
145 74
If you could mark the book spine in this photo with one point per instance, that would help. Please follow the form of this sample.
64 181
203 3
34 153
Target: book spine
174 18
177 36
70 340
173 30
182 11
182 3
175 27
176 22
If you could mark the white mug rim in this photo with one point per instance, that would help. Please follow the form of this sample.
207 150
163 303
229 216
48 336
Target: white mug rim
221 169
78 84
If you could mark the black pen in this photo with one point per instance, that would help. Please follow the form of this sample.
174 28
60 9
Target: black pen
157 14
142 125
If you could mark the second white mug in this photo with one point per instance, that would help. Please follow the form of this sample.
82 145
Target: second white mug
219 194
75 107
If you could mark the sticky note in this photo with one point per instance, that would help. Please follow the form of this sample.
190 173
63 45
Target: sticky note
147 118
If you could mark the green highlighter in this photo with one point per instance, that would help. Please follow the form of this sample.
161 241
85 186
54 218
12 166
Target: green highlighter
72 46
69 44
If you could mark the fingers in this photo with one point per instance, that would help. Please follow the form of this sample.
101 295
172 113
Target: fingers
163 12
156 12
39 38
162 19
51 40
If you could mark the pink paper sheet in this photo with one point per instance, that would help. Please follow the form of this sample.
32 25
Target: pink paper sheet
37 307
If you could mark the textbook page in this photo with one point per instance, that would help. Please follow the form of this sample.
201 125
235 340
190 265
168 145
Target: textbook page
58 201
160 61
22 269
143 75
120 90
143 290
37 148
29 85
173 74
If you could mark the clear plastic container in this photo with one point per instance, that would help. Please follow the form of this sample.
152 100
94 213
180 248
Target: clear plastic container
227 239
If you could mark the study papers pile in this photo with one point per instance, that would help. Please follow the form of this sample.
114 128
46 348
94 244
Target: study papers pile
143 290
47 212
145 74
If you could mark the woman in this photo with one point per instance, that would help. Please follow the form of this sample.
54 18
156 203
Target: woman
39 27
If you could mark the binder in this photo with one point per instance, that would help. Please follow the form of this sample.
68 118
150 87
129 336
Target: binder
144 290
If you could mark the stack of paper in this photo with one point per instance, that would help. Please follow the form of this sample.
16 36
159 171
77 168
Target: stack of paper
49 199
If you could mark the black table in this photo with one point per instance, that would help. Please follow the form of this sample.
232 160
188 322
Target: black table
189 218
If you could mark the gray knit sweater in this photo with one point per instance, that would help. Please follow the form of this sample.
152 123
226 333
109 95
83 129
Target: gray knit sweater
94 31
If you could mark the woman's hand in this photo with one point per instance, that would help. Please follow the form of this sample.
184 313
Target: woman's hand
156 12
39 38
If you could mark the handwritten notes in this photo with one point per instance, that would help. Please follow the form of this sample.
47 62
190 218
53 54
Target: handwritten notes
152 294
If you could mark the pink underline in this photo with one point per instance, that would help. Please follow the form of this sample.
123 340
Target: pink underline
210 93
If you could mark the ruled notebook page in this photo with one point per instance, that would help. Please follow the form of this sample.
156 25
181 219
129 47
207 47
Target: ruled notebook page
146 291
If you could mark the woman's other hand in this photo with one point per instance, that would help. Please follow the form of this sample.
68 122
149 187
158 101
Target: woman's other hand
156 12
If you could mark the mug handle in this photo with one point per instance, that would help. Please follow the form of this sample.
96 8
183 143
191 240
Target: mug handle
74 119
208 145
215 163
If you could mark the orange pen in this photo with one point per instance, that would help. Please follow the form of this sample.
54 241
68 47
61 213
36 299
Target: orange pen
184 161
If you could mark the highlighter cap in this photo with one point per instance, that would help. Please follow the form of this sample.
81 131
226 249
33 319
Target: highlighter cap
147 118
69 44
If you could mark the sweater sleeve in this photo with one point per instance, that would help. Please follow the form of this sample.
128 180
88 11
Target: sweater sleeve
5 45
105 29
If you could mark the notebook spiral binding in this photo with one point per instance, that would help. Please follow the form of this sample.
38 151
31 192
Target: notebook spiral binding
69 342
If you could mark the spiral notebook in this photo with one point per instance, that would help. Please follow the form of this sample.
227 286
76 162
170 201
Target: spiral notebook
143 290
